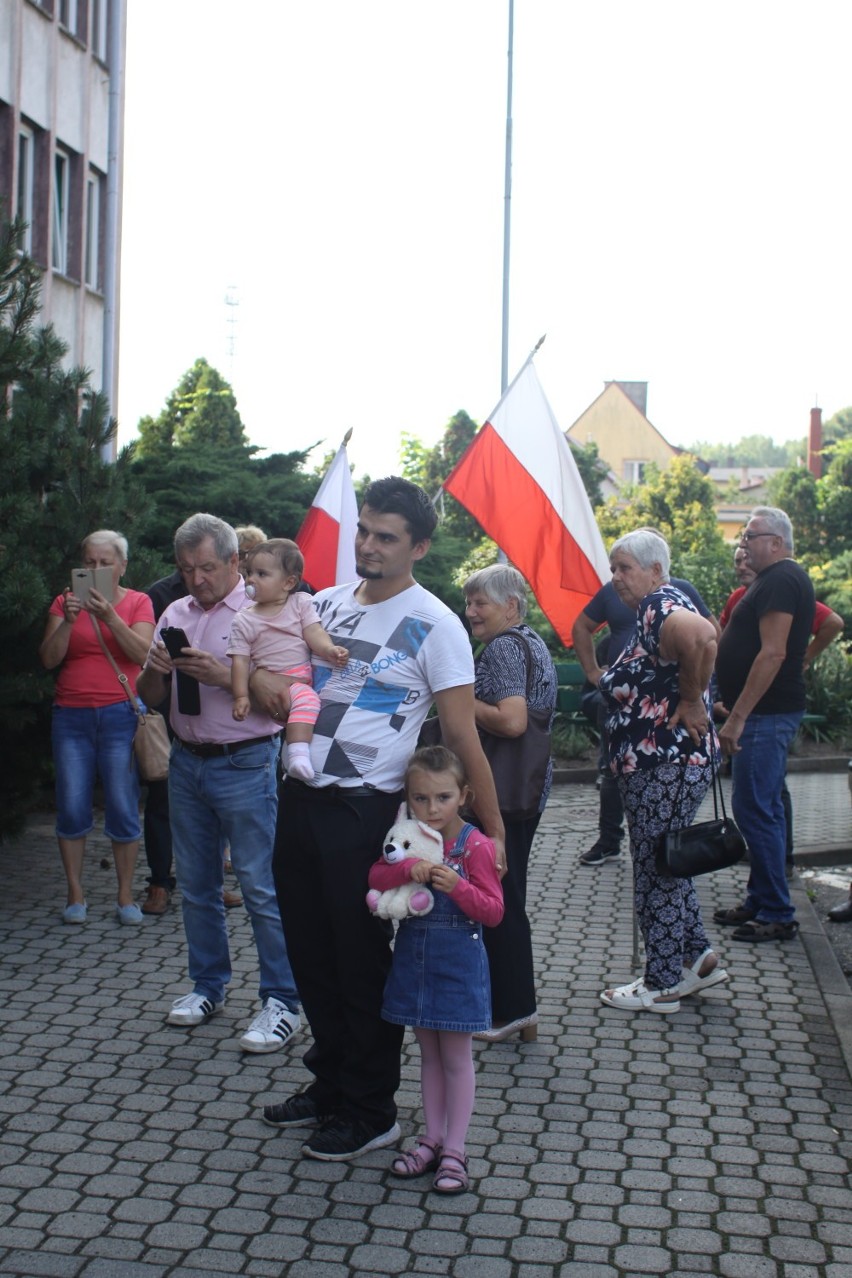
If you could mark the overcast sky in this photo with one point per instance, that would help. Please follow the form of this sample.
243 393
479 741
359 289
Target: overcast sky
680 211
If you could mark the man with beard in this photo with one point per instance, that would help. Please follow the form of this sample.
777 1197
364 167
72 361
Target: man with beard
406 650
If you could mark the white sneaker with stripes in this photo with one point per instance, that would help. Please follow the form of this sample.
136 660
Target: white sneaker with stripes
271 1028
193 1009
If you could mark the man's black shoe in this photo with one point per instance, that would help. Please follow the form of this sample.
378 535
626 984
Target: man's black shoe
340 1139
297 1111
599 853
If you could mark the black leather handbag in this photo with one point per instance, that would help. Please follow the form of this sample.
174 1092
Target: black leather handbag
519 764
703 847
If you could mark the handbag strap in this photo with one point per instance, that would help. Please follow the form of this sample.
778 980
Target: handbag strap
119 674
522 639
715 783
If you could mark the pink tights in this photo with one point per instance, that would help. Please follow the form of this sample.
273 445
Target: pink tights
447 1081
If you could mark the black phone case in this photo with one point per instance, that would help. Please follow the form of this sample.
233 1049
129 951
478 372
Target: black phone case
188 693
175 639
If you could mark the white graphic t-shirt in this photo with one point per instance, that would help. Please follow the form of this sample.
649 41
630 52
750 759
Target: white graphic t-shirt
401 652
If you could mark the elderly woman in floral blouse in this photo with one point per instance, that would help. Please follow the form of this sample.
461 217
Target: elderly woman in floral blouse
661 751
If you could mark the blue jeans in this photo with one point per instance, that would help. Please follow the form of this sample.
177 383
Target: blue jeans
232 797
758 777
92 742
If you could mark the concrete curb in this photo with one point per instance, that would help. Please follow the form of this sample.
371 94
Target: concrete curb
828 974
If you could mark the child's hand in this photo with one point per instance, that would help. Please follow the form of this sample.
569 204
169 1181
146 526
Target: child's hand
241 707
443 878
421 872
339 656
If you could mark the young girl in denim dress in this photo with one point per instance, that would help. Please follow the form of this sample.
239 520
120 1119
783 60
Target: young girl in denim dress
439 979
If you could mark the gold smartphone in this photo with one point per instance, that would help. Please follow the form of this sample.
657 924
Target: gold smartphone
83 580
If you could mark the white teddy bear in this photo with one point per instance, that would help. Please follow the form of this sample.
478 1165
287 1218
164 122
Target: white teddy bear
405 839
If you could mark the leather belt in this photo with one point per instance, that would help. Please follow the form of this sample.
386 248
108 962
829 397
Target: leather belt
214 750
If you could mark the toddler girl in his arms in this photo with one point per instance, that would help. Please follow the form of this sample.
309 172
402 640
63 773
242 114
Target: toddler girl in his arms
278 632
439 979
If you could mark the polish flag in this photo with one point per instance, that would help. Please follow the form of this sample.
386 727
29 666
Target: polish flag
327 536
521 484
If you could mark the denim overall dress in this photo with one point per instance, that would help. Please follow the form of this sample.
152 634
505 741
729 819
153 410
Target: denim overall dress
439 978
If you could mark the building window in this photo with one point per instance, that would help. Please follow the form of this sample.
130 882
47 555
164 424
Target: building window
68 14
634 472
99 29
61 206
92 263
26 184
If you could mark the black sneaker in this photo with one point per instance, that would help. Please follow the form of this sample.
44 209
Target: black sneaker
340 1139
300 1110
599 853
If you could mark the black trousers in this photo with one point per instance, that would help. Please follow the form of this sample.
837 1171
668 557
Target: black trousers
509 945
340 953
158 835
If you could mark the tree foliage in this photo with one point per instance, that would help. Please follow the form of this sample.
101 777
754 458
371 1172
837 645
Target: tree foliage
55 487
200 412
680 502
273 492
751 450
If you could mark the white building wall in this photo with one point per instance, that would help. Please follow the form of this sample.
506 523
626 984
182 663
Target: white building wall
34 76
52 80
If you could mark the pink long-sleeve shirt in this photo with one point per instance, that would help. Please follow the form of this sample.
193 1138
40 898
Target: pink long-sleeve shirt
480 896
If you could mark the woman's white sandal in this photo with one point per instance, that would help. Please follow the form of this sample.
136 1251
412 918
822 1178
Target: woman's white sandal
692 982
637 997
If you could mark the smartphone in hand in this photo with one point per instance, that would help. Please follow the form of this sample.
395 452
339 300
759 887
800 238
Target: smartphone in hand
188 693
175 639
84 580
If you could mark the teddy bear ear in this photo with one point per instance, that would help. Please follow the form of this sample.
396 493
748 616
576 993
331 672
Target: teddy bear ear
402 814
433 835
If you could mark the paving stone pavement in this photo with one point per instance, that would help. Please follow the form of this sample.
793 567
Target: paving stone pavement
713 1142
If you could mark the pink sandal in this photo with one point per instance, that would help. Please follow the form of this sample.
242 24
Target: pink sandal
451 1176
411 1162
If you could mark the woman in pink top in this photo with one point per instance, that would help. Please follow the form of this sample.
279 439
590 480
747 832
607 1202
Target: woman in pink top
93 721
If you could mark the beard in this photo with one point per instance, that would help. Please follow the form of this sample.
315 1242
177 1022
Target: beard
367 573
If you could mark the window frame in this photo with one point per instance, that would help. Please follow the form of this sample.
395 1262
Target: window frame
99 27
61 211
92 251
68 15
25 202
634 470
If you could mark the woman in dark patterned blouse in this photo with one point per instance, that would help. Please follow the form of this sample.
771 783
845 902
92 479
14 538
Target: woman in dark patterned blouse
661 735
514 660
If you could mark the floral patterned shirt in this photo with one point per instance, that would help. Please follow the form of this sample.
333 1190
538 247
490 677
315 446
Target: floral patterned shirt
642 693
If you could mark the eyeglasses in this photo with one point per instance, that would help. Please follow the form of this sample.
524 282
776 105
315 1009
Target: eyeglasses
751 536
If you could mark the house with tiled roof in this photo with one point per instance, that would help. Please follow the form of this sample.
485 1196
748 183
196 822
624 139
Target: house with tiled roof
626 440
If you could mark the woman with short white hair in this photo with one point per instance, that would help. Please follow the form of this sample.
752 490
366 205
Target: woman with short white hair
662 749
514 677
93 721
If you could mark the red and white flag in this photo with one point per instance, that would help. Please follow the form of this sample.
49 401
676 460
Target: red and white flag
521 484
327 536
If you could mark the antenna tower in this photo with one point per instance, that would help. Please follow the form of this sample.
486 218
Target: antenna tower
232 301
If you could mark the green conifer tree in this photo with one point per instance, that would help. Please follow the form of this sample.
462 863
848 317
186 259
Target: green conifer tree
55 487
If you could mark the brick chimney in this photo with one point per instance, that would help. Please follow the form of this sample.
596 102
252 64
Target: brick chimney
815 443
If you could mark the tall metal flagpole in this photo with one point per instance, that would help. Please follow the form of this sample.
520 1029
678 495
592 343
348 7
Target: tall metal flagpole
507 225
507 209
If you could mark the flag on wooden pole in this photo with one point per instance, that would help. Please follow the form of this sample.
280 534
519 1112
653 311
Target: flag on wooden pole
521 484
327 536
